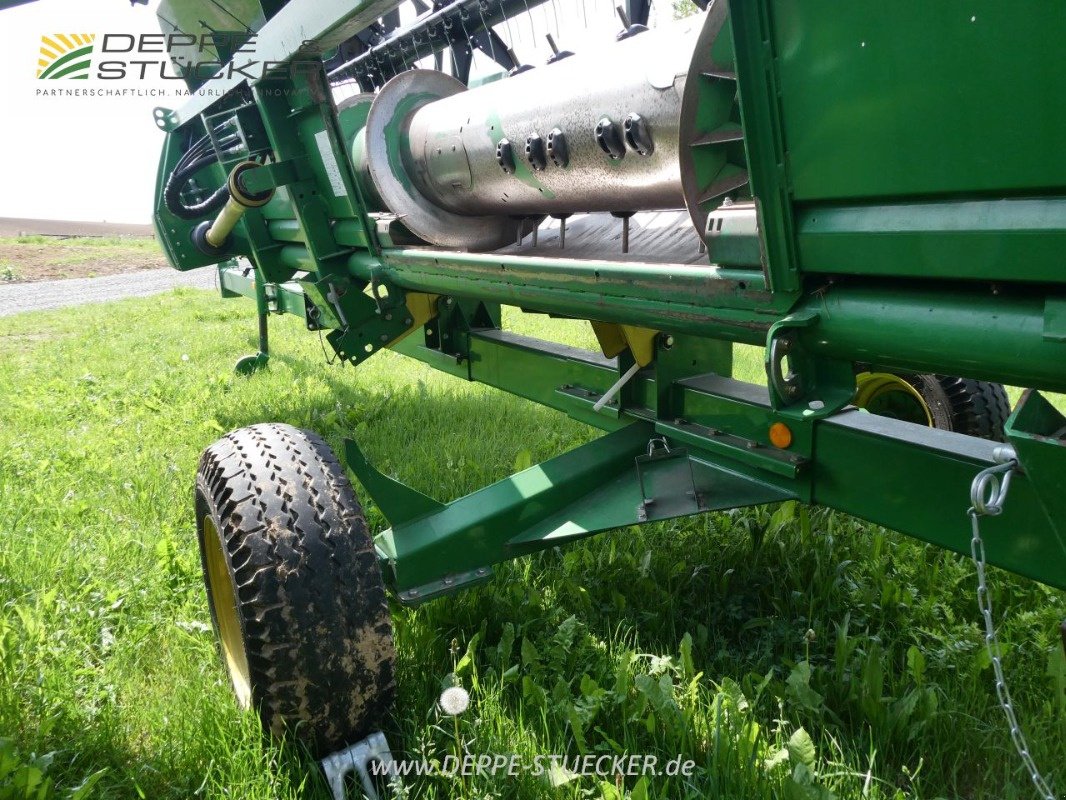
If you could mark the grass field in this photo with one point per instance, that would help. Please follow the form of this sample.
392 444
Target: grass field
39 258
789 653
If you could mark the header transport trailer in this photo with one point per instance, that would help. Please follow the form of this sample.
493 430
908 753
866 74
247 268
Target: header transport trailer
875 194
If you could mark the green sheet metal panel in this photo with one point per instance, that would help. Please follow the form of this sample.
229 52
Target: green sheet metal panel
921 97
1007 239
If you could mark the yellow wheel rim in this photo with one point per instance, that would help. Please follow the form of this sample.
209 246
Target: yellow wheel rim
224 605
889 395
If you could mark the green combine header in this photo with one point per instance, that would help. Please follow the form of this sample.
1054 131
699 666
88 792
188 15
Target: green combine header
873 193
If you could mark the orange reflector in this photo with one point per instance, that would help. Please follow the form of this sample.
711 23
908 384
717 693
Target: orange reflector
780 435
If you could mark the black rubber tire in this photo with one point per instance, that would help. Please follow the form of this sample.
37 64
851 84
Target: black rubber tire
978 408
963 405
940 407
310 598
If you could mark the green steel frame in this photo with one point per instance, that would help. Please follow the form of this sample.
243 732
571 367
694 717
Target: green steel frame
950 263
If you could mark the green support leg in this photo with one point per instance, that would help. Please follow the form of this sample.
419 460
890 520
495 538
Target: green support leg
246 365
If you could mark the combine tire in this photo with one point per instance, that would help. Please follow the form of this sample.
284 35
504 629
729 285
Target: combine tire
294 586
974 408
977 408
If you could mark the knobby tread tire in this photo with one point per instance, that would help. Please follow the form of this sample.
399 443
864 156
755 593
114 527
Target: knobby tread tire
975 408
978 408
310 597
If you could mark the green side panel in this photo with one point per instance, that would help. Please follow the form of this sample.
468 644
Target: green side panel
1006 240
921 97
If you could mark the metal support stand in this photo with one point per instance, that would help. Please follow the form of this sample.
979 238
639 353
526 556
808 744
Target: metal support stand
358 758
246 365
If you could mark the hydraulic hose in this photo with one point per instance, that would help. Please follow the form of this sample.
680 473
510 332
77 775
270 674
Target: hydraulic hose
187 166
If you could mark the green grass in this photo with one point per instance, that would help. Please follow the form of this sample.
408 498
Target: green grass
789 653
138 243
84 249
39 257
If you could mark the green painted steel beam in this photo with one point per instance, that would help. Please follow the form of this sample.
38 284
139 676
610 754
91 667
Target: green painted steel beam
917 480
236 282
687 285
971 331
911 478
472 533
688 300
282 298
948 328
348 232
609 483
527 367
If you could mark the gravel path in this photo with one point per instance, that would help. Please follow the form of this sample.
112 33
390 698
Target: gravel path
40 295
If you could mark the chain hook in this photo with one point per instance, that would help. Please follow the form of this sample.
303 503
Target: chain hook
987 495
988 492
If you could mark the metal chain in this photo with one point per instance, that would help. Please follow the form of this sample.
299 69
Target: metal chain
987 494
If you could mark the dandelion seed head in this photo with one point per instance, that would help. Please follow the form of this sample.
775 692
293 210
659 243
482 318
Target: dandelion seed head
454 701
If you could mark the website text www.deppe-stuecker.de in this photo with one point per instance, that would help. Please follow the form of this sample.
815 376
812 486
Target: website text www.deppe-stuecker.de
604 766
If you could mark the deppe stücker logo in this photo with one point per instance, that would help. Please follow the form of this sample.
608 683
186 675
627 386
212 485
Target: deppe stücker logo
174 57
65 55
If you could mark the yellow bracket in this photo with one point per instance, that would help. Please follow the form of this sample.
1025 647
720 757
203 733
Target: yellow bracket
614 338
422 307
